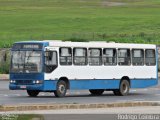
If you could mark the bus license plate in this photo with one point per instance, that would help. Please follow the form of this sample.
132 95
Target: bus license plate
23 87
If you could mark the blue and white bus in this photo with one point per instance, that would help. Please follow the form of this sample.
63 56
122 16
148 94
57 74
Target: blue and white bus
58 66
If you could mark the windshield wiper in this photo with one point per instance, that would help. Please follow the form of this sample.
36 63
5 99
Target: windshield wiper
29 56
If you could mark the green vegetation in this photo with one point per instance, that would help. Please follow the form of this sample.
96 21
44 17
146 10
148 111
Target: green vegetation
30 117
117 20
21 117
4 68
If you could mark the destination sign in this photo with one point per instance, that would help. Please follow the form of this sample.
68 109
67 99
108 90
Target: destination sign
31 46
27 46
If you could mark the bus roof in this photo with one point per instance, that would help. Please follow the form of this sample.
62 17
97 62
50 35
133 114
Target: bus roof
94 44
100 44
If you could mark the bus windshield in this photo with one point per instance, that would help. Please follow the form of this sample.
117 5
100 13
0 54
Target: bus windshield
26 61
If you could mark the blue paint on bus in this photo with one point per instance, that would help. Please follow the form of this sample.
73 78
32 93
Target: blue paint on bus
50 85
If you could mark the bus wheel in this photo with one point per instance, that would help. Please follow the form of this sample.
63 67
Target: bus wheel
96 92
32 93
124 88
61 89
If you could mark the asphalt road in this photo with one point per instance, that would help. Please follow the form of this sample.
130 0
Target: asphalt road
20 97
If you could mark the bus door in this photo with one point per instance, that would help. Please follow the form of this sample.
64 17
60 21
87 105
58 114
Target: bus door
51 61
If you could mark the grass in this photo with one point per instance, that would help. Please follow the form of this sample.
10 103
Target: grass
30 117
134 21
21 117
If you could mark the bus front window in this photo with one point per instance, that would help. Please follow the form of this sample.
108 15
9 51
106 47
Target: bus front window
26 62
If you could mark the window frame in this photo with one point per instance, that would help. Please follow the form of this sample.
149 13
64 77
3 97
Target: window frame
86 56
116 57
65 56
138 57
129 63
100 57
151 57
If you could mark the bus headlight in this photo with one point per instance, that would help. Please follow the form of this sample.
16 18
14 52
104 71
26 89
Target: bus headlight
12 81
37 81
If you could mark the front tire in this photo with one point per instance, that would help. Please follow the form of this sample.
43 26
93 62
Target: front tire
123 89
96 92
61 89
32 93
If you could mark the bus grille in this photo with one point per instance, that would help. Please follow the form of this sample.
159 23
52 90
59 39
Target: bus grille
24 82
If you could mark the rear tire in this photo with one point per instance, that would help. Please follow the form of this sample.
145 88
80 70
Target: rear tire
61 89
96 91
123 89
32 93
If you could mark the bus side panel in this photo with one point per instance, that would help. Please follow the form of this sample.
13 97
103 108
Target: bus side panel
50 85
143 83
94 84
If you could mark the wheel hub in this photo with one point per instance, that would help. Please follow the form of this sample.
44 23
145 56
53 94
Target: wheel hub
124 88
62 88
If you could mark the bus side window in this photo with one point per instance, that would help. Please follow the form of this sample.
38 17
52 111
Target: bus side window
95 56
109 56
138 57
150 57
50 61
80 56
124 56
65 56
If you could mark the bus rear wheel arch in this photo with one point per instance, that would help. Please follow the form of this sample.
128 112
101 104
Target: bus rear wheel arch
124 87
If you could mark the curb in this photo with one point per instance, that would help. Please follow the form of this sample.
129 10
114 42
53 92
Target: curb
29 107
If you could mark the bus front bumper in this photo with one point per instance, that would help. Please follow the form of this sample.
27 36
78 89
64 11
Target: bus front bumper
26 87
